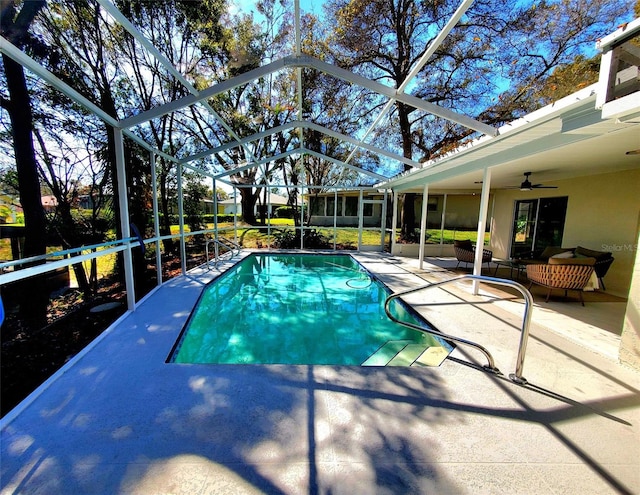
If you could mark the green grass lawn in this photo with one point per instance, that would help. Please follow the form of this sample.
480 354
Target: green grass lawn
249 237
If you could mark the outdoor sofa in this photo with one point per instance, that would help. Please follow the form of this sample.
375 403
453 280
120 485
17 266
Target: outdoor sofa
603 259
562 273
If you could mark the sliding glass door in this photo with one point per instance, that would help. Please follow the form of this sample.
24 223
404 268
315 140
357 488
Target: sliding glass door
537 223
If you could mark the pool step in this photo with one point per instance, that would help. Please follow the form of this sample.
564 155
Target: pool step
386 353
407 353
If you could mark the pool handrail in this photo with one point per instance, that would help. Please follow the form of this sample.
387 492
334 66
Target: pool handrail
219 242
524 334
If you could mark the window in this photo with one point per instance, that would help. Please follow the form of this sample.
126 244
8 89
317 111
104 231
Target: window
331 201
351 207
317 206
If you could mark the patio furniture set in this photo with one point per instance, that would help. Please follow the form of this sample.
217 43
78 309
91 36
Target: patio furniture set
555 268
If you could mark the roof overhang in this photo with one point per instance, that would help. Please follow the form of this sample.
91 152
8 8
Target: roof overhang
568 138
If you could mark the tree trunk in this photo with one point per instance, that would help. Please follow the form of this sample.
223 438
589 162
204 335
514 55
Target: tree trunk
248 202
407 215
70 239
34 297
68 232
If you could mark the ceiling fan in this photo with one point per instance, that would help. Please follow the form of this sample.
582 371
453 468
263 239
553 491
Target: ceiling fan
528 186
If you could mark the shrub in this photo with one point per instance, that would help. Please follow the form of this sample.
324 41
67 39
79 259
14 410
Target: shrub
289 239
285 212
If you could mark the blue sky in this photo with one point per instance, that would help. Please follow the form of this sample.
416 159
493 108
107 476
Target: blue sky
314 6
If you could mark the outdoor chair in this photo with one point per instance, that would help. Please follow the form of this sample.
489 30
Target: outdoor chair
466 253
562 273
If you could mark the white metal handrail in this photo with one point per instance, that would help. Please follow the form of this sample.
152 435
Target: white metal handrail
218 243
14 275
524 334
32 259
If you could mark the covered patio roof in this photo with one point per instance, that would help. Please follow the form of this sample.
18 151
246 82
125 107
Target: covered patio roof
567 139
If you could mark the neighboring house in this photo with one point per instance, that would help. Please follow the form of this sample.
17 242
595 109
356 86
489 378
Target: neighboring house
49 202
88 201
343 205
207 206
232 206
229 206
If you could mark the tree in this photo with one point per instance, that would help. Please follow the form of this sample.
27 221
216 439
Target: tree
84 53
331 103
105 63
496 44
569 78
195 192
182 30
14 26
251 108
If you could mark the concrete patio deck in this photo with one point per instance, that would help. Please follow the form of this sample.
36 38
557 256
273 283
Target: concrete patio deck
118 419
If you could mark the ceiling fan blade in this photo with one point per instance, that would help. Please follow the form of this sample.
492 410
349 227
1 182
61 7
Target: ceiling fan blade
526 185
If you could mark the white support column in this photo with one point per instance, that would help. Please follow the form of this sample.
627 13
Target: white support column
423 224
235 214
360 219
183 247
394 220
482 224
156 218
215 211
442 222
383 223
335 219
303 178
269 213
123 202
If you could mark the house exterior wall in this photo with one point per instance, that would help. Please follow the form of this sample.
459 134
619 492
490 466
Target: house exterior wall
228 207
630 339
603 212
461 211
347 212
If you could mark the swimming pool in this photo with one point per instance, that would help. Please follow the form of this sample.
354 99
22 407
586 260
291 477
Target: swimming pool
300 309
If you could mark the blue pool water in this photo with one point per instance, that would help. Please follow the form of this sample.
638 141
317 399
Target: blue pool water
293 309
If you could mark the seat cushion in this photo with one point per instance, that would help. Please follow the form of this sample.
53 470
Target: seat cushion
563 255
550 251
572 261
598 255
